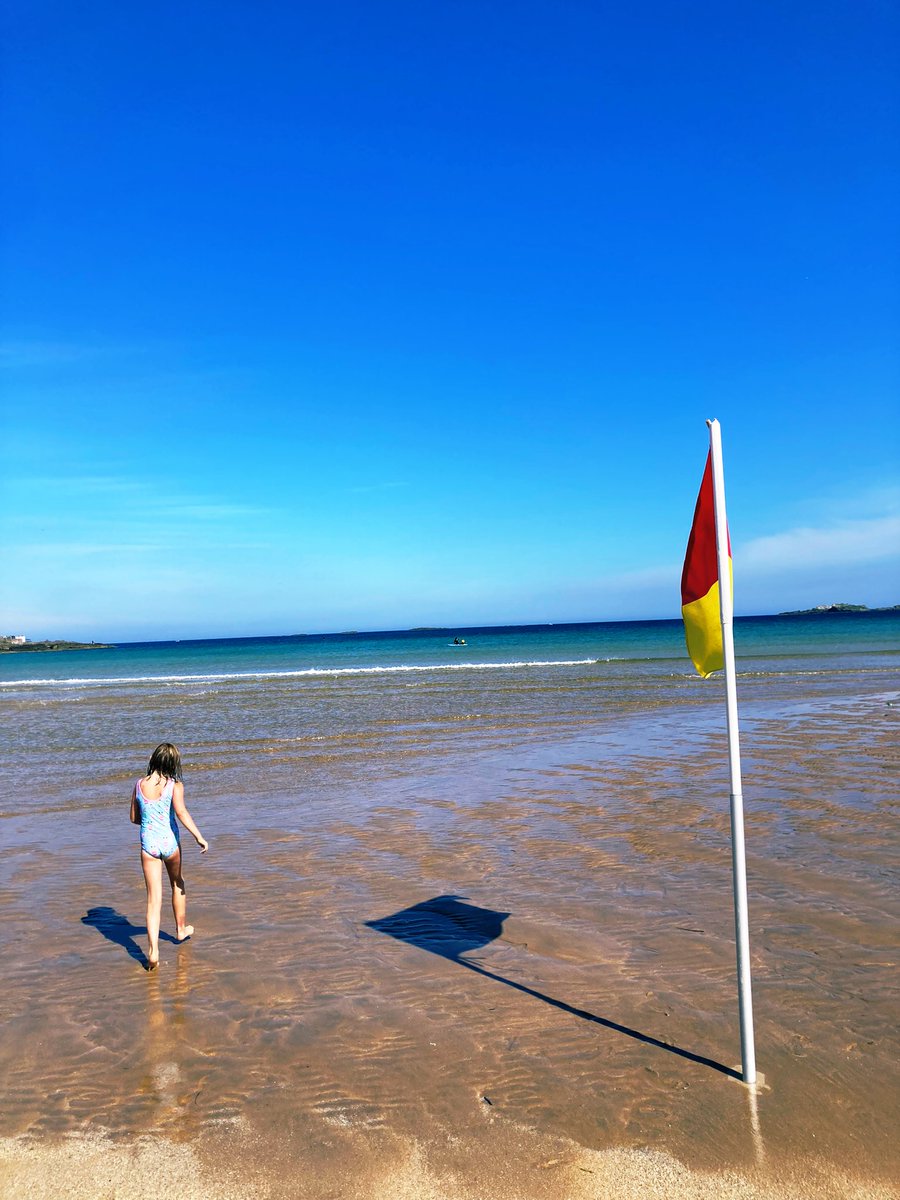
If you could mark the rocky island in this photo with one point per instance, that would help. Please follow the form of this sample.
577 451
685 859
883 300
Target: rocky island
13 643
837 608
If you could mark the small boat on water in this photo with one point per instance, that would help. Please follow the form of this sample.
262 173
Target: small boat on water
457 642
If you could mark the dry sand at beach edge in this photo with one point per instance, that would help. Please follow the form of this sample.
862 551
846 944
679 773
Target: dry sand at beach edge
518 1165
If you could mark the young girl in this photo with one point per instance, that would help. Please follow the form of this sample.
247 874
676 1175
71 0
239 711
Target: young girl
155 802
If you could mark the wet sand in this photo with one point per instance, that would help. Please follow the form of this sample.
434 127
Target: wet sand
507 974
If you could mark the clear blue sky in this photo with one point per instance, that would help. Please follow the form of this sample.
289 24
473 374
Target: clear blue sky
371 315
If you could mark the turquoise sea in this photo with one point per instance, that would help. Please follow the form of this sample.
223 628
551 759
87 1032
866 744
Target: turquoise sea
272 714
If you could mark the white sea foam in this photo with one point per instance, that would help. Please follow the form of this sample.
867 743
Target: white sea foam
232 676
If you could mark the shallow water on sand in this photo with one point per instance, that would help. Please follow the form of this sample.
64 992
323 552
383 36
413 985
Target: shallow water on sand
496 915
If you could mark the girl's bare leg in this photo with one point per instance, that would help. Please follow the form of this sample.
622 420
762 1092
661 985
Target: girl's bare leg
179 899
152 869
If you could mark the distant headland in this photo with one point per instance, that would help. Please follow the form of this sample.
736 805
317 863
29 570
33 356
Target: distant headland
824 609
14 642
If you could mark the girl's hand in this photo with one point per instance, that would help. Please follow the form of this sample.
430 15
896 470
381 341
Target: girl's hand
203 844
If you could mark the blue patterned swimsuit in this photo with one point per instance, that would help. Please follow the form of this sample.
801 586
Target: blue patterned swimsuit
159 829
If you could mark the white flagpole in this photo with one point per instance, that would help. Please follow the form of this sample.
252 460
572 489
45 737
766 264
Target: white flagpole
738 856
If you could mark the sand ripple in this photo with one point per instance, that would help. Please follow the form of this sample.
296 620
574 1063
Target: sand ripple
519 960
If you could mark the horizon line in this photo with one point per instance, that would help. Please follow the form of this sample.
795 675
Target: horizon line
825 610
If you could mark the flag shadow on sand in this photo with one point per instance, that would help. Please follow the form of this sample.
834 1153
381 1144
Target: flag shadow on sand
116 928
450 927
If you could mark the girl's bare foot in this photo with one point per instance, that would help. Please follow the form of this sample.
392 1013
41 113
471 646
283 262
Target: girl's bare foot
184 934
152 963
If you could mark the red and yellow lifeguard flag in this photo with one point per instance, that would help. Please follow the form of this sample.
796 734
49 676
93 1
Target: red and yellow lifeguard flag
700 584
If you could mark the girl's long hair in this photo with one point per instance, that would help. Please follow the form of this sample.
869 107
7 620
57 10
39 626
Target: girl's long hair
166 761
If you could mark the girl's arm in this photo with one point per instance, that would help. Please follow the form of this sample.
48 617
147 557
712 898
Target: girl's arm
135 809
185 817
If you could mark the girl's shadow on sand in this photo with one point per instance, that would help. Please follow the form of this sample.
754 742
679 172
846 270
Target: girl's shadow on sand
118 929
448 927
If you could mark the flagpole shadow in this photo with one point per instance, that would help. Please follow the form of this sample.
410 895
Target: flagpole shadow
448 927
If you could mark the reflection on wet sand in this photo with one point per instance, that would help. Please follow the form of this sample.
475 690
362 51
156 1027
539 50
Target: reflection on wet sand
164 1047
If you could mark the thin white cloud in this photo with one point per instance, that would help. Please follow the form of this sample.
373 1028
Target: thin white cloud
879 500
87 549
25 352
849 543
648 577
387 486
117 501
81 485
178 541
211 512
844 555
39 354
